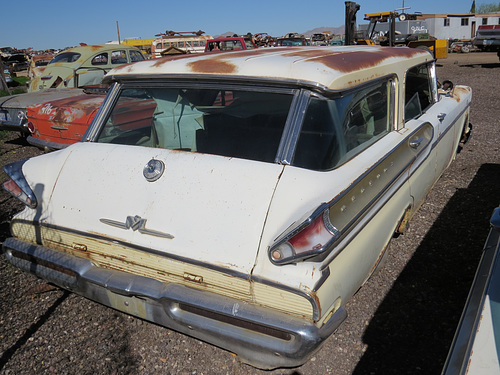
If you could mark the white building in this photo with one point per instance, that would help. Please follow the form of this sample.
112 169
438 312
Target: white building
458 26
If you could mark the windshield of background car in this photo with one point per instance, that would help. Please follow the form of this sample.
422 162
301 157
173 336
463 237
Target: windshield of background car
66 57
235 123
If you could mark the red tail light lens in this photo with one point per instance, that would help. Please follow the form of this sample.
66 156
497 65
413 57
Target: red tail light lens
17 192
31 127
17 185
311 238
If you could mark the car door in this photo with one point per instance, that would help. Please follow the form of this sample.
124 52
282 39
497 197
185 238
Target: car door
420 116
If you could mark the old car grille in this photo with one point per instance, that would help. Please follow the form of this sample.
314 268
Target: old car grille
109 254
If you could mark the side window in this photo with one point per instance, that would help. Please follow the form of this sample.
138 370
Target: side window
418 91
136 56
336 130
237 45
100 59
119 57
249 44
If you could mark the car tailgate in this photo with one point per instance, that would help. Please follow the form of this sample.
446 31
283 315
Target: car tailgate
204 208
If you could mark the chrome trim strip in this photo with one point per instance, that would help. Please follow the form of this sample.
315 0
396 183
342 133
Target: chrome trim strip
353 231
292 129
333 248
45 145
261 337
95 126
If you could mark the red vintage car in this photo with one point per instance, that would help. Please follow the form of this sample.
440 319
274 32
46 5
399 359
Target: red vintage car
59 123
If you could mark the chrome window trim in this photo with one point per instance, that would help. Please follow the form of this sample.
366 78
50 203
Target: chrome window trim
433 77
95 126
292 129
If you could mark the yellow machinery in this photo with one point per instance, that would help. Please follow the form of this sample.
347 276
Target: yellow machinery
438 47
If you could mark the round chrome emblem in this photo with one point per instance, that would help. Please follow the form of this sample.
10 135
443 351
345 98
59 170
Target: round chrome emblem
153 170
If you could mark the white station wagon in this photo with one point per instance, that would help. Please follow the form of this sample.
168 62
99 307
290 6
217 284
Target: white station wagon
246 196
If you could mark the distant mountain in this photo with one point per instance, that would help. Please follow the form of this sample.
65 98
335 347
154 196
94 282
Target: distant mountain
333 31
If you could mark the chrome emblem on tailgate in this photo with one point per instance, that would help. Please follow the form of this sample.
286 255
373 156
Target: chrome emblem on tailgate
136 223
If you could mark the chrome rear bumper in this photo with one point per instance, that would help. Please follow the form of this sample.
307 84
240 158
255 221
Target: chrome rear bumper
261 337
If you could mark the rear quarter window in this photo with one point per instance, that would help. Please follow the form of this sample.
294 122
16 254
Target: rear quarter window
336 130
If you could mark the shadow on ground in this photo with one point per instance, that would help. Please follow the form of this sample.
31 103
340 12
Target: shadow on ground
412 329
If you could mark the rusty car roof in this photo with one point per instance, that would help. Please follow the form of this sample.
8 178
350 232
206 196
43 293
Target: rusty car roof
335 68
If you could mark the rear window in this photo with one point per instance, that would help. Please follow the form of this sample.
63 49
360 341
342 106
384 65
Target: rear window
66 57
233 123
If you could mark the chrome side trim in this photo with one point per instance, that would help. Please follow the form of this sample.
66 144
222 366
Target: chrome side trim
45 145
292 129
349 230
95 126
261 337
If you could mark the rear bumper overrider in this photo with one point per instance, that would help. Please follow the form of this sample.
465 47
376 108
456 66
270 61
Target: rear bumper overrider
261 337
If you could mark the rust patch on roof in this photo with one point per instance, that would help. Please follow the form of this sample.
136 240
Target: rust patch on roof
162 60
216 65
351 61
95 47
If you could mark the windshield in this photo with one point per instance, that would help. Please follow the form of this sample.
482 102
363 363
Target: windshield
233 123
66 57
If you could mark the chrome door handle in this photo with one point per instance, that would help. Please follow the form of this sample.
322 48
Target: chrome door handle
416 142
441 116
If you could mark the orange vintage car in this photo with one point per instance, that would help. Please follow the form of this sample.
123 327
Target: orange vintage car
59 123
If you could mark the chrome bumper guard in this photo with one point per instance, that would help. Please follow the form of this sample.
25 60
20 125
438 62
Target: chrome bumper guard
261 337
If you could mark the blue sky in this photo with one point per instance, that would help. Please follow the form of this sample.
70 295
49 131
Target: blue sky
59 24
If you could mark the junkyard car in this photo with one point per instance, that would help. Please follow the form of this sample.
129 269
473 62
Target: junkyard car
475 347
13 109
229 44
292 40
84 65
37 65
56 124
252 202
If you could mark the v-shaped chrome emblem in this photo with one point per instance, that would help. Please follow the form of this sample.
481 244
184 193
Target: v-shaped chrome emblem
136 223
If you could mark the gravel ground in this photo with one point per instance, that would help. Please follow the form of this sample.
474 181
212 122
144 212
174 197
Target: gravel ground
401 322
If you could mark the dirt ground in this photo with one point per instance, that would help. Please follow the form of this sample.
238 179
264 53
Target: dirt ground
401 322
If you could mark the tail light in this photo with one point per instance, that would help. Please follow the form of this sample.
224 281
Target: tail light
17 185
31 127
311 238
